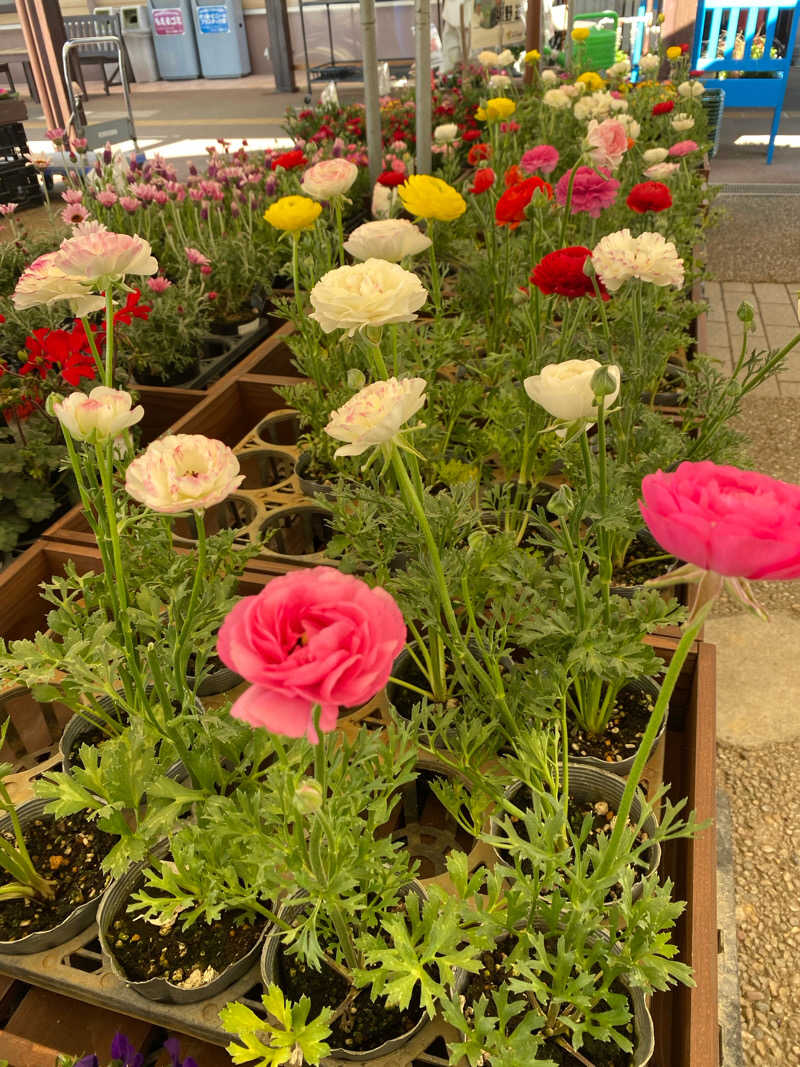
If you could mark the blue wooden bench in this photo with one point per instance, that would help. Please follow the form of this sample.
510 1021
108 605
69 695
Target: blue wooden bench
725 37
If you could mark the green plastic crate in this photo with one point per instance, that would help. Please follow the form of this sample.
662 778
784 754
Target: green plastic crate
598 51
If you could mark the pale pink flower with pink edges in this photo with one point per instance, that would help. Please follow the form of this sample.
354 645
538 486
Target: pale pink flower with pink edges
606 142
8 209
183 472
158 284
329 178
376 414
104 257
72 196
660 171
102 415
107 197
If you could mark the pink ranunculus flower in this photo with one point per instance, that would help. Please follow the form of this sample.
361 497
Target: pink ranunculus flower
196 258
736 523
590 192
183 472
104 257
100 416
311 638
329 178
683 148
607 142
44 282
543 158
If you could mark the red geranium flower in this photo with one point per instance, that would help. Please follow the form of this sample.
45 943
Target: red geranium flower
132 309
483 180
471 135
663 107
390 178
561 272
649 196
290 160
510 209
477 153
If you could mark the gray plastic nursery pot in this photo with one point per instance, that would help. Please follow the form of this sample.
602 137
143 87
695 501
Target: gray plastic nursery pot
160 989
72 925
270 975
591 784
622 767
81 725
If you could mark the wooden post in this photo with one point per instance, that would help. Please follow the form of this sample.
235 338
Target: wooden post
422 46
280 46
44 33
533 34
369 50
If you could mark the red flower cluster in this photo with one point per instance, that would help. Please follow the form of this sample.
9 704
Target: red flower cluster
513 176
471 135
64 351
391 178
510 208
561 272
483 180
649 196
290 160
479 152
663 107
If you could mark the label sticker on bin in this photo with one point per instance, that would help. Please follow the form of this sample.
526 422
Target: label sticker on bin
168 21
213 18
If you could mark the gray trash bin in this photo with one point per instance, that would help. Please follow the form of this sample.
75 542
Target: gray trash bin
173 38
221 38
139 42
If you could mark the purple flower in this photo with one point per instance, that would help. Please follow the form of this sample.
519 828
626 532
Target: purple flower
173 1047
87 1061
590 192
123 1050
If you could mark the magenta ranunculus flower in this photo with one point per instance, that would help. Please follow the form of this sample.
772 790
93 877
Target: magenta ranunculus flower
543 158
735 523
683 148
311 637
590 192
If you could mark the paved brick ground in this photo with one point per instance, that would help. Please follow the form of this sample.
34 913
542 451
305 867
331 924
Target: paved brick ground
776 321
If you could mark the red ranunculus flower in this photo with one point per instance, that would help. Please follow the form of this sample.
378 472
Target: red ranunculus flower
684 48
390 178
561 272
513 176
649 196
510 208
290 160
477 153
483 180
471 135
306 113
663 107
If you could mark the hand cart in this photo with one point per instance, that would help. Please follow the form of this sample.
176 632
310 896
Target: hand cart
99 133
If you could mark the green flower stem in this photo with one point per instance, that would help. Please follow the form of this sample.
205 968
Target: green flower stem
574 566
587 460
93 346
568 205
651 732
606 568
16 859
109 371
181 651
564 760
296 273
337 212
436 285
372 335
161 726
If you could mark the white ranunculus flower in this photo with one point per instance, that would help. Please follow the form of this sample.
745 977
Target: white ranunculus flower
446 133
691 90
619 70
375 415
44 282
649 64
549 77
99 416
598 106
682 122
564 390
329 178
654 155
659 171
373 293
487 58
632 127
499 81
389 239
506 58
383 200
650 257
557 99
183 472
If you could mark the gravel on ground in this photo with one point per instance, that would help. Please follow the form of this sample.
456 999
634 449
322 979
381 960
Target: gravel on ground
769 252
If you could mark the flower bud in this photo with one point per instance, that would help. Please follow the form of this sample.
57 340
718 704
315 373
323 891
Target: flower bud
356 379
521 295
562 502
604 383
745 312
308 796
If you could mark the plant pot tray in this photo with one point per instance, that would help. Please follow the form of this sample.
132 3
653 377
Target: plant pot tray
686 1019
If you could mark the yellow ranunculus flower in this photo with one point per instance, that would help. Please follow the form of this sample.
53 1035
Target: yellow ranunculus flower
592 81
480 114
580 33
431 198
674 52
293 213
500 107
533 56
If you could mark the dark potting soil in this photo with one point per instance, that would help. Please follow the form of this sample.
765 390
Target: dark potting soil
495 973
68 852
634 573
624 732
365 1024
188 958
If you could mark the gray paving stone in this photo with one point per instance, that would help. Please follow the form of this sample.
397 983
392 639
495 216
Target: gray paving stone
780 335
722 356
770 291
780 314
730 288
713 292
786 388
717 335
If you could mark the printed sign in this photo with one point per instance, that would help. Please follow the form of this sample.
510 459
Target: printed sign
213 18
168 21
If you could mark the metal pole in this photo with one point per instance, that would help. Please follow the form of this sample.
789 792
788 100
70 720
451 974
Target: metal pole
369 49
422 46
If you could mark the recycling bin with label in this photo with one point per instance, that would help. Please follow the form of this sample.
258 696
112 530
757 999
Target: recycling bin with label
173 37
221 38
139 43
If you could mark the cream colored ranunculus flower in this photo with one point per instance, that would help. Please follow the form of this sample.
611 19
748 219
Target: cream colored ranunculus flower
329 178
649 64
487 58
373 293
445 133
499 81
557 99
44 282
376 414
183 472
549 77
564 390
649 257
654 155
661 171
99 416
682 122
389 239
691 90
505 58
